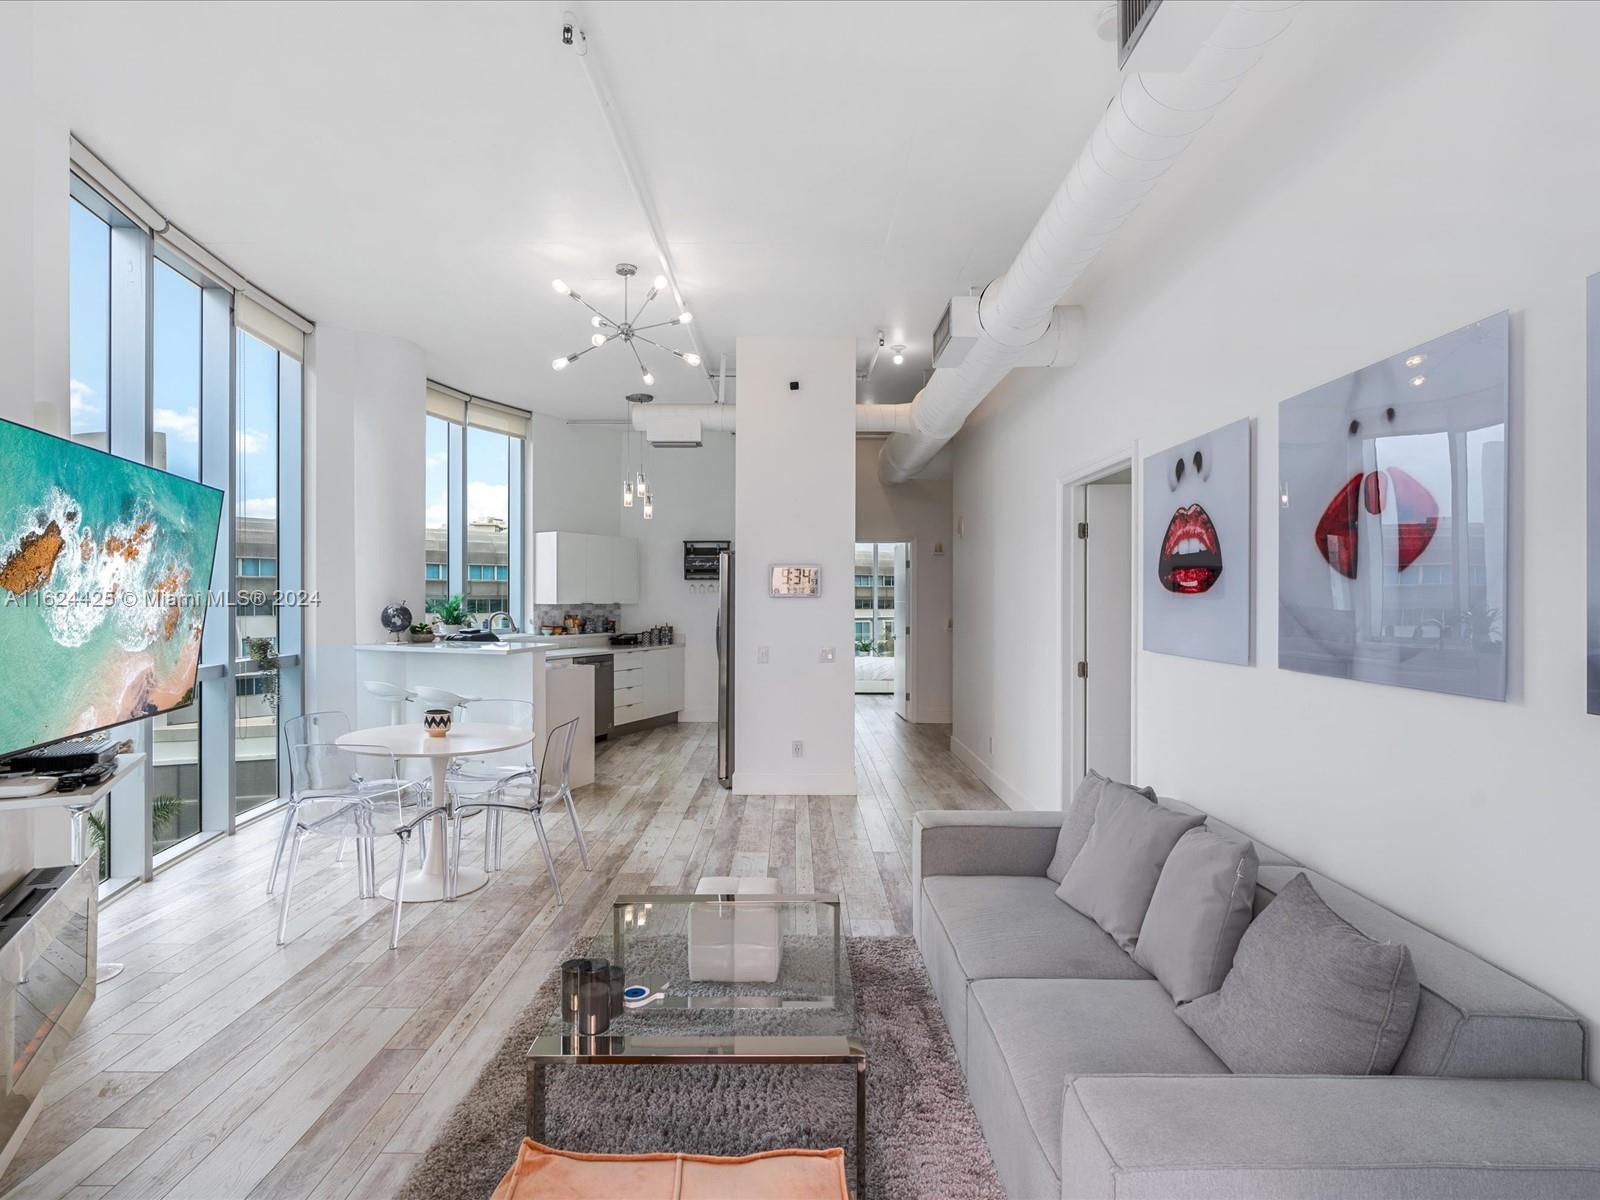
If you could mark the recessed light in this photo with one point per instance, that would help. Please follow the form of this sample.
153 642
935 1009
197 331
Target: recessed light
1415 360
1418 380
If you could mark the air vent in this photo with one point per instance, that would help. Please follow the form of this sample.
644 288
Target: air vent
1132 18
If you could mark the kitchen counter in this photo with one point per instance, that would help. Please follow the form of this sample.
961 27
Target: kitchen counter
457 647
554 651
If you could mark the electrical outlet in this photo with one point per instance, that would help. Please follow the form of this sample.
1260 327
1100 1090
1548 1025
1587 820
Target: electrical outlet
763 654
826 655
798 749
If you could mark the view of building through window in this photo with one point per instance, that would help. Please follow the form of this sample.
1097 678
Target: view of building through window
875 571
484 516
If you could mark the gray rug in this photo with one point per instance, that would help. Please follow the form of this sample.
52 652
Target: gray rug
923 1140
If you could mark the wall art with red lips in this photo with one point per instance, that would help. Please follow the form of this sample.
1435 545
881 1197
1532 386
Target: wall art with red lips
1197 547
1392 518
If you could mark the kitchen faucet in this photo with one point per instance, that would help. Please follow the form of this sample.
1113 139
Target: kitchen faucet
488 622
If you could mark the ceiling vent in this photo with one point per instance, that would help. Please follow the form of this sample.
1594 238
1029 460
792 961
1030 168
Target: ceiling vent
1133 16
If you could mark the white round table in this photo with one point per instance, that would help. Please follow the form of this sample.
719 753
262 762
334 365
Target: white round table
467 739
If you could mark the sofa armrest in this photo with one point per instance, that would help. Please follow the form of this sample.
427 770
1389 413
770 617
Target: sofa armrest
978 843
1202 1136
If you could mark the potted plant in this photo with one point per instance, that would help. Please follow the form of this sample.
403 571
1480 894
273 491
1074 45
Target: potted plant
263 652
422 632
451 616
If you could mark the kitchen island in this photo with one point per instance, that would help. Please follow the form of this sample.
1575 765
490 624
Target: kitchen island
558 688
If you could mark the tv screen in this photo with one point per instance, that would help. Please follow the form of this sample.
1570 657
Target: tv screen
105 571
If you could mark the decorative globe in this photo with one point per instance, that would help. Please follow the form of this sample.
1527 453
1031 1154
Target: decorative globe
397 618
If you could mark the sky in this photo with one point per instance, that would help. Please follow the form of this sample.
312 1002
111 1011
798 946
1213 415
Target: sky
175 369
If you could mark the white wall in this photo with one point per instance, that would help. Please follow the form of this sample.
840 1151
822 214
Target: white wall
795 503
365 432
918 511
1343 207
694 501
33 319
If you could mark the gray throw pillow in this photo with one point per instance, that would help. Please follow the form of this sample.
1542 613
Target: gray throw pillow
1200 910
1113 877
1080 819
1309 994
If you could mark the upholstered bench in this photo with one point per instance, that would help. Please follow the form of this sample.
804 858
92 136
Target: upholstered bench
541 1173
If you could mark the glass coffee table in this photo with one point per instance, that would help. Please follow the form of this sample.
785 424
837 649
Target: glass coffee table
757 980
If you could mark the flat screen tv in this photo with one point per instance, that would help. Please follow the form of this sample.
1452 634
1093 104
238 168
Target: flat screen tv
105 572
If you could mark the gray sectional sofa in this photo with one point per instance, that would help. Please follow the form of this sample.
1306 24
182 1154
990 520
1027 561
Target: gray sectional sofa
1088 1085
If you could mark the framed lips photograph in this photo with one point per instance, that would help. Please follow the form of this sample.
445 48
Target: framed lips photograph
1392 518
1197 547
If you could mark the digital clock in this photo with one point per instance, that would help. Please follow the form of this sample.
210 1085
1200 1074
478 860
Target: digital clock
791 580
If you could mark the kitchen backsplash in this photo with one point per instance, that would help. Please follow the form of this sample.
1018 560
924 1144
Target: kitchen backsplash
554 614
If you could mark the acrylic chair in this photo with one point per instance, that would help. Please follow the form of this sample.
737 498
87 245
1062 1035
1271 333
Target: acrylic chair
312 728
356 793
472 778
529 791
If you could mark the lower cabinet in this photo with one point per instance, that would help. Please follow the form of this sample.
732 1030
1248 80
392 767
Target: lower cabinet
646 683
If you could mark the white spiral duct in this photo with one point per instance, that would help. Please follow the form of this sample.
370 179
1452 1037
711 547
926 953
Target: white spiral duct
1148 124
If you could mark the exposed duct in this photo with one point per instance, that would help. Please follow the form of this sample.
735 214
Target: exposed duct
1148 124
682 424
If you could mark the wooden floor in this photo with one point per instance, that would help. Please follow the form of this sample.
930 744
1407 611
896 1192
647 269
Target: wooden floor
220 1066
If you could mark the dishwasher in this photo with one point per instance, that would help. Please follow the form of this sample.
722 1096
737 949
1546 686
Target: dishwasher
604 691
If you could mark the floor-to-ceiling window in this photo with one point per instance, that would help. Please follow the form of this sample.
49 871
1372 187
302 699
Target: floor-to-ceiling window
89 359
172 367
473 504
175 414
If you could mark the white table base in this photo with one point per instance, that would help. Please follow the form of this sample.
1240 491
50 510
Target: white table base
425 884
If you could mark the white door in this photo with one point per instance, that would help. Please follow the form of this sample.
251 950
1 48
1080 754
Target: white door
902 629
1107 660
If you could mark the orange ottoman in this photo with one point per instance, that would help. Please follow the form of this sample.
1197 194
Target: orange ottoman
541 1173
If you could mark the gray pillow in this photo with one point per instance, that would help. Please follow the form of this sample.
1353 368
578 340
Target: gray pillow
1200 910
1113 877
1309 994
1080 819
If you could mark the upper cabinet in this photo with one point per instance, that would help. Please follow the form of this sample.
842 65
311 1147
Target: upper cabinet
585 568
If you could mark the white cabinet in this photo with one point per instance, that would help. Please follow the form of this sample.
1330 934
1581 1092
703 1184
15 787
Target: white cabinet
585 568
646 683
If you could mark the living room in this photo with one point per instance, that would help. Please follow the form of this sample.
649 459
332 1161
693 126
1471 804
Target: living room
817 547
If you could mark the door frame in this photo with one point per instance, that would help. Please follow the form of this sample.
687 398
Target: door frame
906 587
1071 508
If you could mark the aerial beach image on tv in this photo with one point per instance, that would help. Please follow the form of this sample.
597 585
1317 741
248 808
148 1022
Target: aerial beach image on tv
105 566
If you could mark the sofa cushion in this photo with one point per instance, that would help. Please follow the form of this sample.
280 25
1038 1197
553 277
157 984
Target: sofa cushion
1080 819
1319 1138
1012 926
1473 1019
1309 994
1200 910
1007 926
1030 1038
1115 874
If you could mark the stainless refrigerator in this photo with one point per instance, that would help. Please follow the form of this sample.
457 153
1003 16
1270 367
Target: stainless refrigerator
725 668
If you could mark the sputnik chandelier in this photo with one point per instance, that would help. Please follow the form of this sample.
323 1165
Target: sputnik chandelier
627 330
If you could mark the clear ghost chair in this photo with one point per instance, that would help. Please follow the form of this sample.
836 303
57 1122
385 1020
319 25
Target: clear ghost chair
497 787
313 728
353 792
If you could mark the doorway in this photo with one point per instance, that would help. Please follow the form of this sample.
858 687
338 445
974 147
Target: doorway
1099 554
883 622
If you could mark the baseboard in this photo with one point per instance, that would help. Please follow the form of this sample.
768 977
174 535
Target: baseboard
771 783
1012 797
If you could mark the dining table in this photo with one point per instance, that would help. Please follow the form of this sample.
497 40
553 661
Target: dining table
465 739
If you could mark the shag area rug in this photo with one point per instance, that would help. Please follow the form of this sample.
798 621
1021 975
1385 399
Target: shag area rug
923 1140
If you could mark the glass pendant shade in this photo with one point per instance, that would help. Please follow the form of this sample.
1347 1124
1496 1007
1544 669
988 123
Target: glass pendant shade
649 506
627 493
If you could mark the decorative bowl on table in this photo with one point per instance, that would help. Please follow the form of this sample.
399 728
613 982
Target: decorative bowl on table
422 634
436 722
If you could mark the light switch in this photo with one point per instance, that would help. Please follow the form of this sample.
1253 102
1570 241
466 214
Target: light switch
826 655
763 654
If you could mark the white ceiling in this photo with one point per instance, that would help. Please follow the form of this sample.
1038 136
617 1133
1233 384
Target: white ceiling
424 170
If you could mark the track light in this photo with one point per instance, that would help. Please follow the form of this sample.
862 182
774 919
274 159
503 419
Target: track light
561 287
